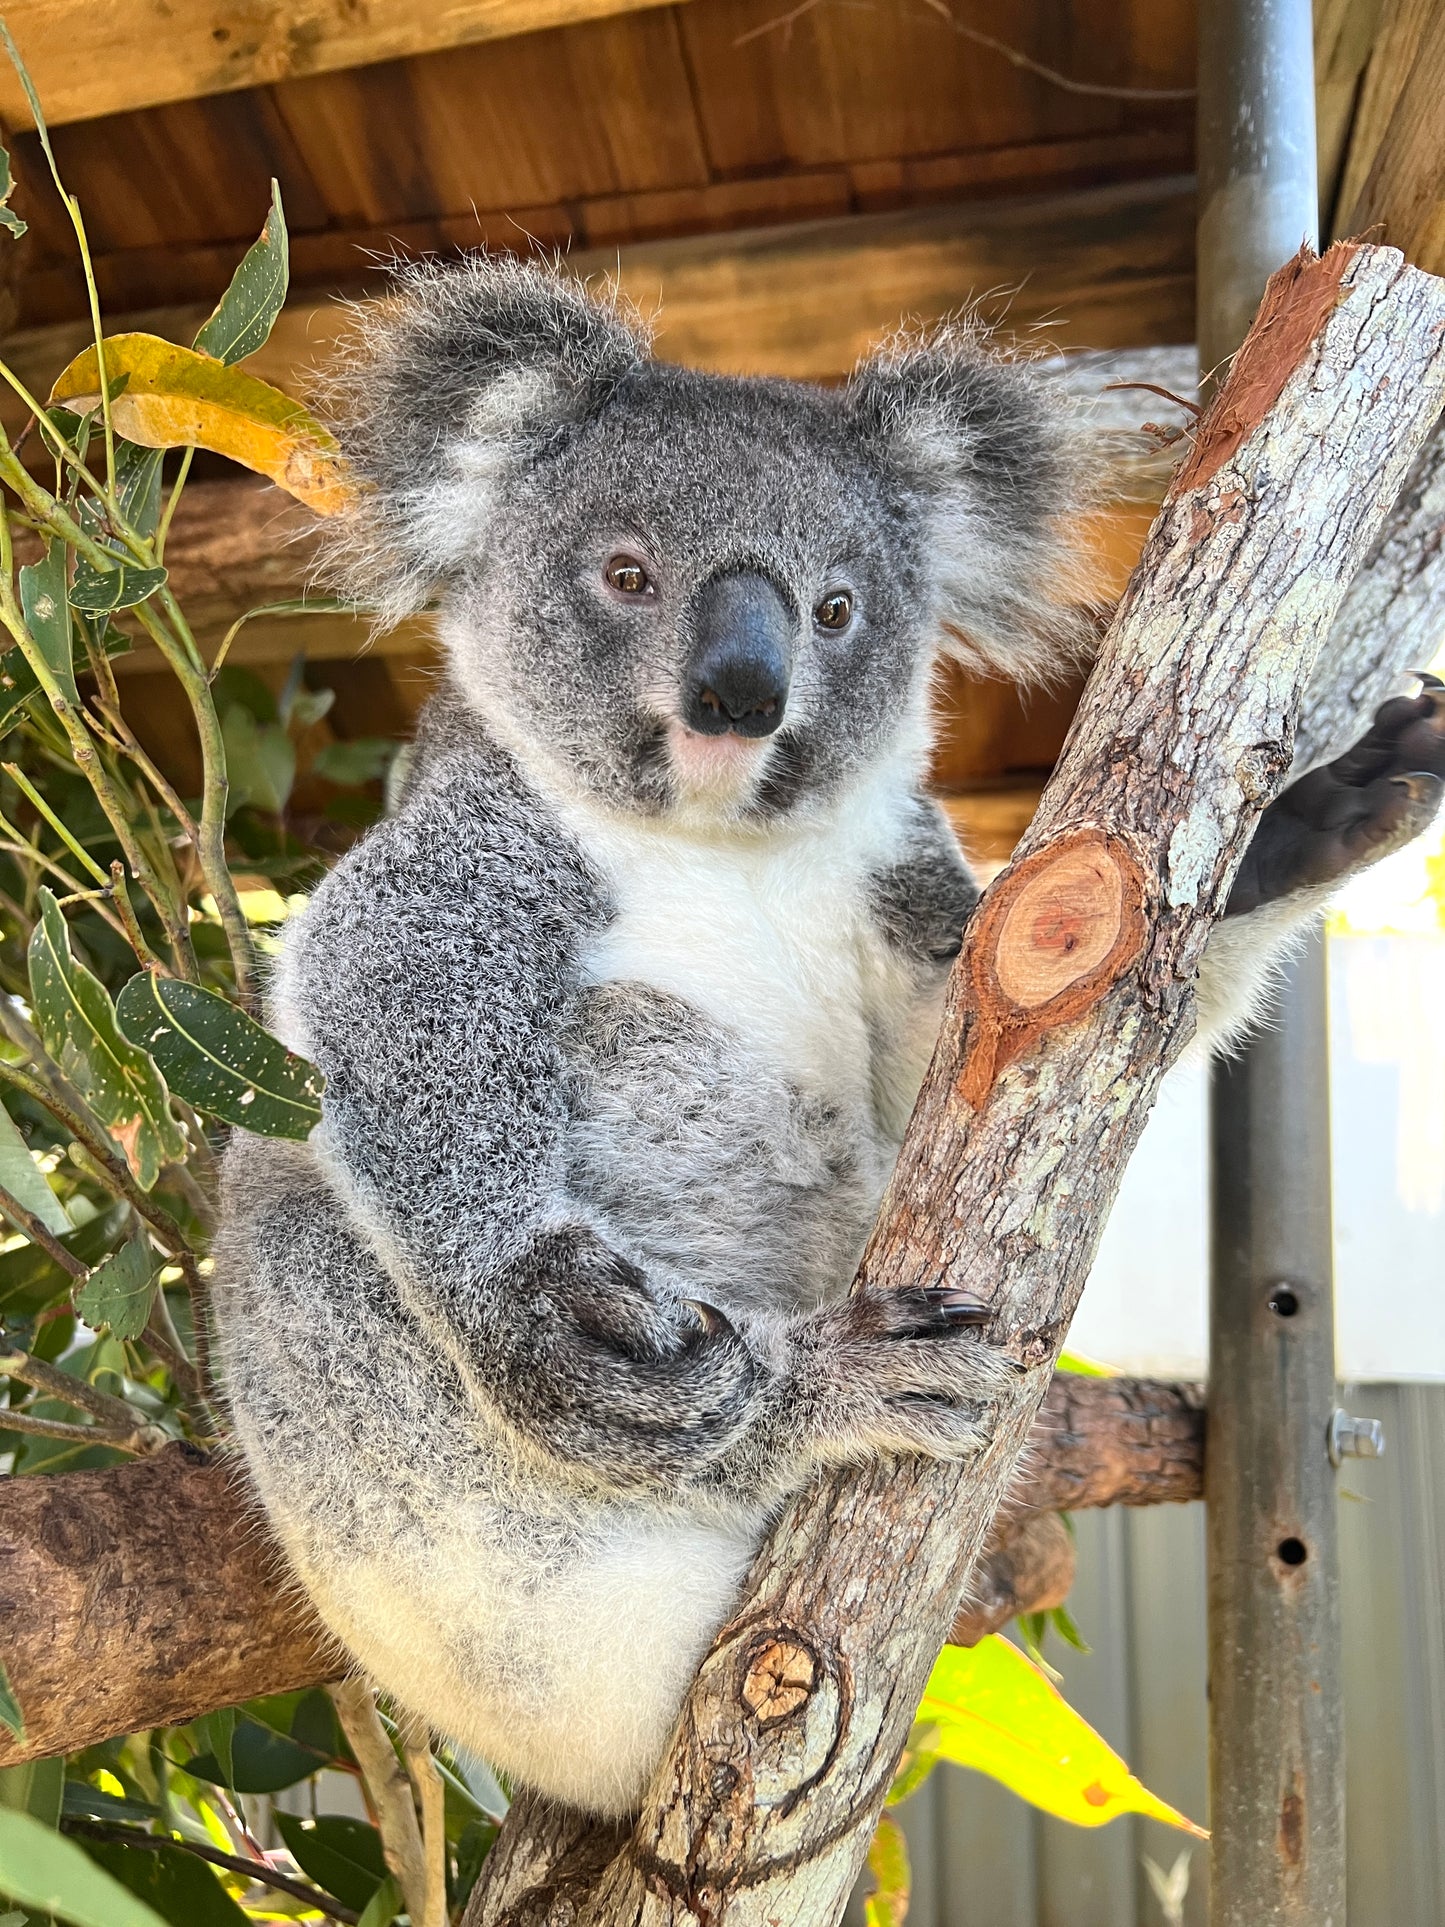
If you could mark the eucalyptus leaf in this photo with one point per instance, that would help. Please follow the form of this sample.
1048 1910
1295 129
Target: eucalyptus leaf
360 761
100 591
182 1890
10 1715
36 1787
9 219
47 615
260 761
46 1872
27 1185
18 688
77 1022
261 1761
117 1295
138 485
382 1908
215 1734
247 311
342 1855
219 1059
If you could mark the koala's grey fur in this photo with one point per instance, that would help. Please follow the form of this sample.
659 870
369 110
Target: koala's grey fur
621 1028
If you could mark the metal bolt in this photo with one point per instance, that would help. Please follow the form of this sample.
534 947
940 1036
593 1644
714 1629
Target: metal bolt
1355 1438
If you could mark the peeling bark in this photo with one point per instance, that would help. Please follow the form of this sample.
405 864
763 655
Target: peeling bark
1064 1011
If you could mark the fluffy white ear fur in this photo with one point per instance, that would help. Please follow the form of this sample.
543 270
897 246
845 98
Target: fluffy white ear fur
1001 465
462 370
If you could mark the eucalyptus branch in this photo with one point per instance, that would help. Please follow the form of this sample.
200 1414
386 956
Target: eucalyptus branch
390 1790
16 846
139 1441
70 1390
426 1781
261 1871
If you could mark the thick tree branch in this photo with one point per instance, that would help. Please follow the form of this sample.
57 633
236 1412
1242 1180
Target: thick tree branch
1072 996
146 1594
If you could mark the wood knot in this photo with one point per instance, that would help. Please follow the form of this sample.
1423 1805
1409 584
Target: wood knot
779 1679
1060 926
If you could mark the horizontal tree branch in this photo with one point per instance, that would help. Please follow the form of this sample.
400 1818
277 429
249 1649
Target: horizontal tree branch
146 1594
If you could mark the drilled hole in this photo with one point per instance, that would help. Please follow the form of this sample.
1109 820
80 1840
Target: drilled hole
1284 1301
1293 1552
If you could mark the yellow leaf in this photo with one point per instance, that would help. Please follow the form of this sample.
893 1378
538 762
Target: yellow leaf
174 397
995 1711
887 1905
1085 1367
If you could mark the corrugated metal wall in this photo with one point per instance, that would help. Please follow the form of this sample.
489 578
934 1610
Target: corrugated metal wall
983 1859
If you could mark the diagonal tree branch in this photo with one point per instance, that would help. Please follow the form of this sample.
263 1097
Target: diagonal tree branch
1071 998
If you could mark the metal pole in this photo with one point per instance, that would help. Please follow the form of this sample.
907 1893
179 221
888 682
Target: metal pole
1276 1769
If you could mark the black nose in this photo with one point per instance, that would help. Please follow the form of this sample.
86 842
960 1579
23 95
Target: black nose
737 676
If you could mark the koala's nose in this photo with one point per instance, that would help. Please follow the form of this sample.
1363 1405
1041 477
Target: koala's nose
737 675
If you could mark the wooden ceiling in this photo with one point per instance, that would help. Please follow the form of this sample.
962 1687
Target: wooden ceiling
711 116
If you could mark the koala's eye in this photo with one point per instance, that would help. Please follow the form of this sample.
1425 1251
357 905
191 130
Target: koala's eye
834 611
627 576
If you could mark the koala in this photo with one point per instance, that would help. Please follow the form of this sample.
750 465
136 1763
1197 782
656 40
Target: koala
623 1010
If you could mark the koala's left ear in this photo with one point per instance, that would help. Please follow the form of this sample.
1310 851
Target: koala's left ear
996 465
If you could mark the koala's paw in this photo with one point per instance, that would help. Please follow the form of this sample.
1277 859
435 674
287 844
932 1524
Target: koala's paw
1348 814
904 1371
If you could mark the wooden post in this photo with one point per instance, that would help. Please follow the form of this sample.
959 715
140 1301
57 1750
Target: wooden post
1276 1773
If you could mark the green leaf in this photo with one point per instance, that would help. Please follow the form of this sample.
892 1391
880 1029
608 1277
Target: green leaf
9 219
260 761
261 1761
100 591
216 1734
247 311
18 688
138 485
45 1871
382 1908
354 763
25 1183
219 1059
13 1919
35 1787
117 1295
996 1712
182 1889
47 615
77 1022
10 1714
343 1856
887 1905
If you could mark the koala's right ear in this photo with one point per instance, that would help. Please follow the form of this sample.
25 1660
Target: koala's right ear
464 367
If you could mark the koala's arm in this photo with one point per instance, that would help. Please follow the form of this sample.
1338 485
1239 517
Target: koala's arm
428 979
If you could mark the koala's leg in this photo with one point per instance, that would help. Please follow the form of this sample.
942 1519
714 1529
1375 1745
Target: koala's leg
1331 824
643 1389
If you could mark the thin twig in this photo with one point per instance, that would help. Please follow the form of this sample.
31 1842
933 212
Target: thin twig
401 1840
69 1390
262 1872
40 1234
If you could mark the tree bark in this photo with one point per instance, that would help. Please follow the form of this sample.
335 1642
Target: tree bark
1072 996
147 1594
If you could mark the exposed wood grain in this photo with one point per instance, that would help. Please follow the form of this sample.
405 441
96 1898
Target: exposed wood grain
88 60
1183 735
1395 161
149 1593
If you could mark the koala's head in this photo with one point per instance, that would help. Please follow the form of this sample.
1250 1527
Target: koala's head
684 592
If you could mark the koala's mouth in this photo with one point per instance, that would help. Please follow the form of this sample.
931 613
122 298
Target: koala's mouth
722 770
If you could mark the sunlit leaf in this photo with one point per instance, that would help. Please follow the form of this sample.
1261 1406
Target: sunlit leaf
247 311
176 398
9 219
47 615
996 1712
219 1059
383 1907
77 1023
25 1183
182 1890
117 1295
1084 1367
343 1856
50 1874
887 1905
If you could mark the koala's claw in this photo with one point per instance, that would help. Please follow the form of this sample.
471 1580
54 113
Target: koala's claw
958 1307
1381 794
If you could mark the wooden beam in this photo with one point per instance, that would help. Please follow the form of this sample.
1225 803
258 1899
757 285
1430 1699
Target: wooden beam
89 59
1109 267
1394 177
146 1594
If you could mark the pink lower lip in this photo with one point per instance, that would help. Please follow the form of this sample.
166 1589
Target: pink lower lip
711 754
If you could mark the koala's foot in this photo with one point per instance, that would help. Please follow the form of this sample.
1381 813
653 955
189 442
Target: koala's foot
1348 814
903 1371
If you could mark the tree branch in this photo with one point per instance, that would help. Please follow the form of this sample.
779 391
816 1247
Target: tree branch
1072 996
147 1594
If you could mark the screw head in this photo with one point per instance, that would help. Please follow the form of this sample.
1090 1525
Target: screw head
1355 1438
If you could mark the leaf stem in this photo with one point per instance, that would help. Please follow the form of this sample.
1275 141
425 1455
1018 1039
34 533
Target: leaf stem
175 495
